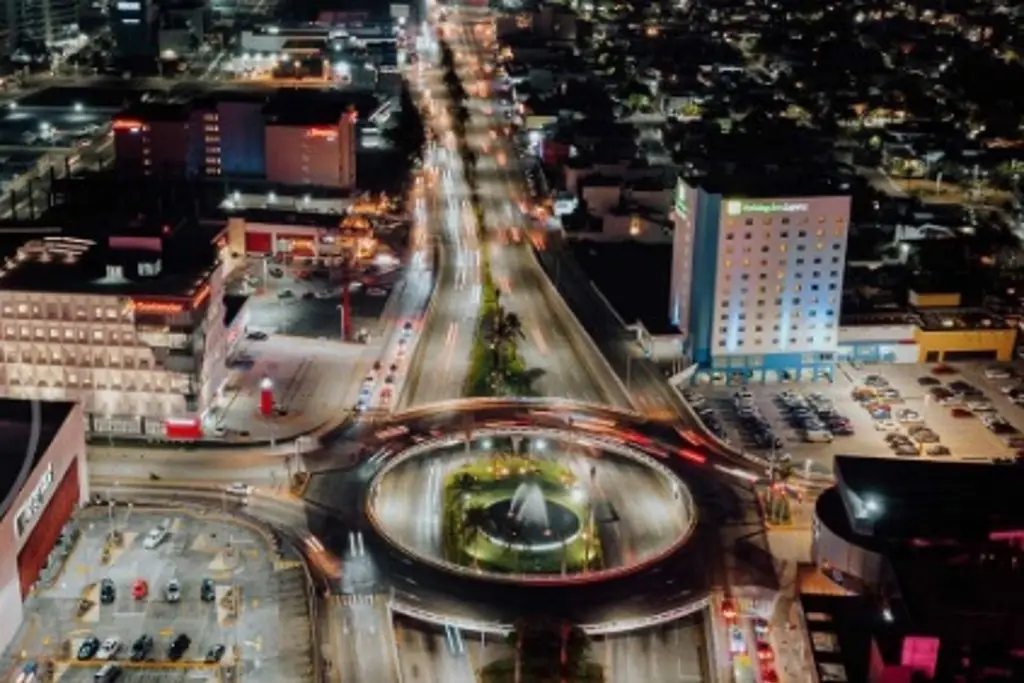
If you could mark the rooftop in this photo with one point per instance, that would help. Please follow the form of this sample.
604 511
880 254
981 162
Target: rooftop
156 111
311 108
930 500
26 435
959 319
135 262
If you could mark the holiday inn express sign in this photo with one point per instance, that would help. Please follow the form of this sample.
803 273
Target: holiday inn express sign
740 207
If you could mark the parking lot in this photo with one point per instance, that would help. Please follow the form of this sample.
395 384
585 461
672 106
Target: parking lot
909 405
265 635
308 307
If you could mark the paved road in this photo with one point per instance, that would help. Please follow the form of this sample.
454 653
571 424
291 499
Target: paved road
664 654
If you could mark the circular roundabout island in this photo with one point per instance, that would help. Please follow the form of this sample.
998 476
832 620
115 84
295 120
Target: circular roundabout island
531 507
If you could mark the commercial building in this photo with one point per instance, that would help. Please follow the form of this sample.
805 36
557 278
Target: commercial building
132 327
935 328
313 146
42 482
133 25
927 556
757 281
289 139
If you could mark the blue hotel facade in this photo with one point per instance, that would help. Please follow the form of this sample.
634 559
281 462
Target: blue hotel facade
757 283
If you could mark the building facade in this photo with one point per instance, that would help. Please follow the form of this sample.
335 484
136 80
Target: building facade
757 283
239 136
133 26
50 485
133 360
319 156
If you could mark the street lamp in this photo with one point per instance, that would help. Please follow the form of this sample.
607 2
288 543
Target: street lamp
79 108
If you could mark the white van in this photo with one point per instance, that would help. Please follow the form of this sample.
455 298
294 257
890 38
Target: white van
818 436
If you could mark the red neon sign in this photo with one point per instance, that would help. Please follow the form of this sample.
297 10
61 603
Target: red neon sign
127 124
323 133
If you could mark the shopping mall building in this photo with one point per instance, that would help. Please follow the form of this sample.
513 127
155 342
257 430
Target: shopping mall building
42 482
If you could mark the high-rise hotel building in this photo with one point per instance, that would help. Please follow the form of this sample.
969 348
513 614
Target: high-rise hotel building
757 281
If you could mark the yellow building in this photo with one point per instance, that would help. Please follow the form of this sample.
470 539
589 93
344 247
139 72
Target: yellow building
963 334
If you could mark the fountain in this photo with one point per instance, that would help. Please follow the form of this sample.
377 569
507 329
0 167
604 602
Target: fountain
529 506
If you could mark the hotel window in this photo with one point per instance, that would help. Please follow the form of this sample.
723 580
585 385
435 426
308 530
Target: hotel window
212 128
210 116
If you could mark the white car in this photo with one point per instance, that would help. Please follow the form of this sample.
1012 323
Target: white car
886 426
981 407
156 536
997 373
173 592
238 489
108 649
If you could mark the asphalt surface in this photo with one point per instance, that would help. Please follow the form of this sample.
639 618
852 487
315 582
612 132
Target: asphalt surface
635 511
233 556
335 501
664 654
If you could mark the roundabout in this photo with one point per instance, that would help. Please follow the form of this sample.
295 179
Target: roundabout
477 513
530 506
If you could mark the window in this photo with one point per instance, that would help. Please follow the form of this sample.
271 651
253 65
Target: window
802 233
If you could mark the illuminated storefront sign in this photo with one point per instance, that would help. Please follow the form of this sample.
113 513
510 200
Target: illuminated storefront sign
129 6
127 124
735 207
31 509
322 133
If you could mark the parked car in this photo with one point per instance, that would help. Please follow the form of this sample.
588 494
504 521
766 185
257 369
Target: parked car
88 648
928 381
141 648
157 535
108 592
109 649
257 335
178 647
207 591
173 591
140 589
214 654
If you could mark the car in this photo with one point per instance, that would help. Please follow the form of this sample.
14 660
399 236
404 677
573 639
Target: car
764 651
308 296
737 643
276 272
998 372
285 294
140 589
925 436
207 590
943 369
1015 442
928 381
906 451
157 535
390 379
28 672
761 627
769 675
108 592
886 426
109 648
938 449
88 648
960 413
141 648
407 328
376 292
173 591
907 415
178 647
981 407
257 335
238 489
214 654
108 673
377 365
876 381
